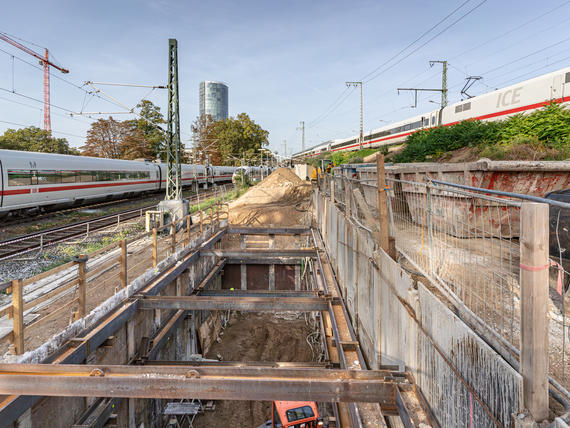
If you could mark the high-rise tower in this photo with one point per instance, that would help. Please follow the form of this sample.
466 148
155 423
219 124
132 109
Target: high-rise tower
214 99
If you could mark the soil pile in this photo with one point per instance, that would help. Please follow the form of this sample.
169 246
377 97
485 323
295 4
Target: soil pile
281 199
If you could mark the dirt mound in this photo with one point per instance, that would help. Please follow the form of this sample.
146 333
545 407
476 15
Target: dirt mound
281 199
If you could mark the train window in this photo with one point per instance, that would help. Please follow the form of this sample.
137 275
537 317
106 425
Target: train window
48 177
19 177
433 120
85 176
459 108
567 78
467 106
68 176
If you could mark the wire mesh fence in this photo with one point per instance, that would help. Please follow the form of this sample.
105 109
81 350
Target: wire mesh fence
467 243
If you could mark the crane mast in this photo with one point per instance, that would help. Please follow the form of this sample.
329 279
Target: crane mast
46 64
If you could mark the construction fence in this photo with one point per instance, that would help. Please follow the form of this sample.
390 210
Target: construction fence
467 243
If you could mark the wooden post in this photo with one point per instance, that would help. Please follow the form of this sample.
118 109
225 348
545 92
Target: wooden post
124 272
382 203
82 287
188 221
332 189
201 221
154 247
18 315
172 237
534 306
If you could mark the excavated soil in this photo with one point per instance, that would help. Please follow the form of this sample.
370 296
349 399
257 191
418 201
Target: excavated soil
282 199
255 337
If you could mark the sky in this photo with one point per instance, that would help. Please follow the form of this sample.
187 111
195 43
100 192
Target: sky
285 61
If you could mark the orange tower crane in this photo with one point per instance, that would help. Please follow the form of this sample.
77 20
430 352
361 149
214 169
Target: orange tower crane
45 62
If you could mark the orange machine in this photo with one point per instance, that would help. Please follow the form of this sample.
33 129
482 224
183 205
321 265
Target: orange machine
294 414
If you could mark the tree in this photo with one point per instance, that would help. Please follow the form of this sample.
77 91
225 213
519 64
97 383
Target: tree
32 139
206 140
109 138
239 137
149 124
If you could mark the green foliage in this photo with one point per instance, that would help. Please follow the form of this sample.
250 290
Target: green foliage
148 123
543 134
32 139
239 137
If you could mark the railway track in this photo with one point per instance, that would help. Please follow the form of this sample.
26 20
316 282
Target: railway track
39 240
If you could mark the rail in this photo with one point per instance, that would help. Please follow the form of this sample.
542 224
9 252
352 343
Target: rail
39 241
90 278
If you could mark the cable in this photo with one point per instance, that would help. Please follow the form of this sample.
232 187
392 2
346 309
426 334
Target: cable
428 41
420 37
55 132
518 27
313 124
329 107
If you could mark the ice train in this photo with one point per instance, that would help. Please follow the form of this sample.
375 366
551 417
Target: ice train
31 181
523 97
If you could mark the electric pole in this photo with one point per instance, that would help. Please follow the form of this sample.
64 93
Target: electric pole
443 81
302 128
173 189
355 84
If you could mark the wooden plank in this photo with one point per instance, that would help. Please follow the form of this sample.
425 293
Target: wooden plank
53 293
123 261
18 315
103 266
382 203
534 306
48 273
82 288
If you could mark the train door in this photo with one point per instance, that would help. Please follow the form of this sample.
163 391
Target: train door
556 88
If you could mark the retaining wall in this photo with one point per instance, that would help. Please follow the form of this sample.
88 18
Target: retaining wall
400 321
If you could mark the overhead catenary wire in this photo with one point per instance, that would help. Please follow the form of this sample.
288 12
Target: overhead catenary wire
52 131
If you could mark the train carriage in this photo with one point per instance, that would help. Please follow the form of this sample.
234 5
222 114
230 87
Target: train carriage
520 98
31 181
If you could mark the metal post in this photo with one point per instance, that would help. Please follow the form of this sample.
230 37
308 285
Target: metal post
201 221
173 238
355 84
18 315
173 188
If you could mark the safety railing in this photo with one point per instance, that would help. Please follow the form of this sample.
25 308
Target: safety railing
87 280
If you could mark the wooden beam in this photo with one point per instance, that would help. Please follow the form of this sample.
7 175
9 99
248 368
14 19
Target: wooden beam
534 306
382 203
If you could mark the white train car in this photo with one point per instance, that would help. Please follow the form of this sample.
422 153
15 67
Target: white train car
31 181
34 180
521 98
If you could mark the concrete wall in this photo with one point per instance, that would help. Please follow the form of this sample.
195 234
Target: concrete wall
400 321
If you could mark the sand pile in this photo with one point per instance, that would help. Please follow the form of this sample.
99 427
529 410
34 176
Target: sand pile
282 199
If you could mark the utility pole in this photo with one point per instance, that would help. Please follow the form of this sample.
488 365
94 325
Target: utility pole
355 84
173 203
443 81
173 190
302 128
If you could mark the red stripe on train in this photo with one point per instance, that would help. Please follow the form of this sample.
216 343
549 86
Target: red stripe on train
482 117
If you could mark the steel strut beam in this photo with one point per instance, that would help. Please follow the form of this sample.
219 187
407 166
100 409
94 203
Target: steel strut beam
224 303
215 383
